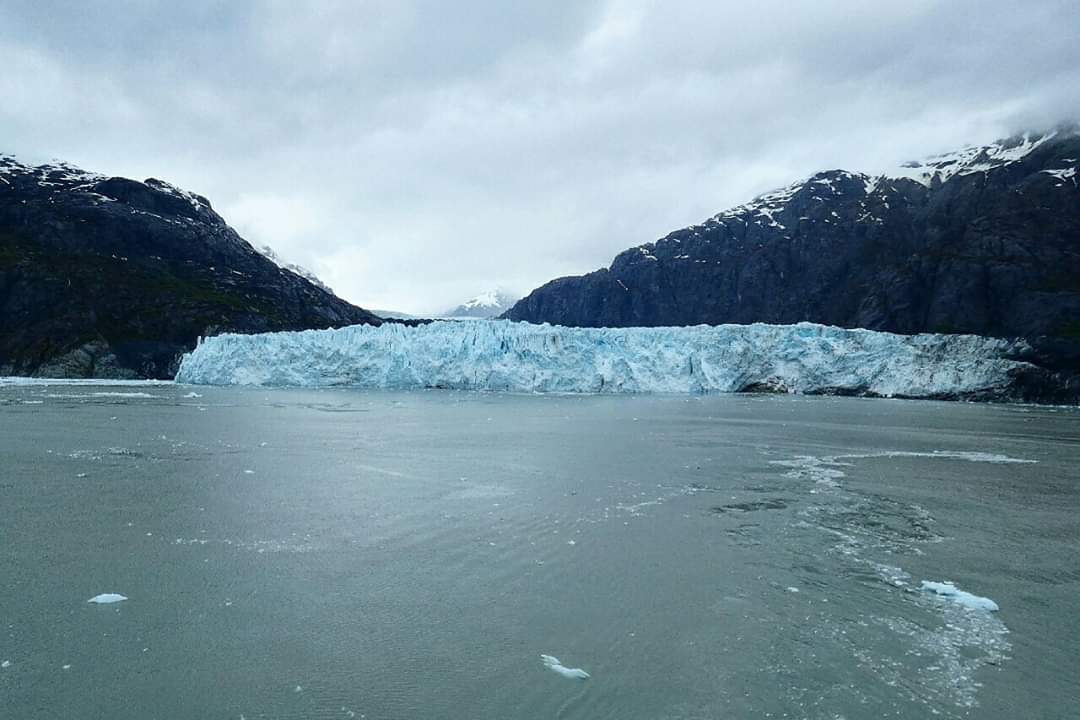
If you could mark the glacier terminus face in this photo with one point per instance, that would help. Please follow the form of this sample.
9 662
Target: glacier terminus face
521 357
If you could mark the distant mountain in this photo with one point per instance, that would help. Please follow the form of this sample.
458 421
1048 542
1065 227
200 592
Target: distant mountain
395 315
485 305
110 277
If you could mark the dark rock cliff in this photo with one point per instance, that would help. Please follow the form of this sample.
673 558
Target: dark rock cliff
109 277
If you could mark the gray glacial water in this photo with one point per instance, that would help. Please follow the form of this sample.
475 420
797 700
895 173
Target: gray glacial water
343 554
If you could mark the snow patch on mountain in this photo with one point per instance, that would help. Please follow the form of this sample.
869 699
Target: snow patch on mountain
520 357
52 173
1063 174
61 175
198 202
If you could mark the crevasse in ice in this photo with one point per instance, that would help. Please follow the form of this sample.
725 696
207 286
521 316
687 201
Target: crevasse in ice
521 357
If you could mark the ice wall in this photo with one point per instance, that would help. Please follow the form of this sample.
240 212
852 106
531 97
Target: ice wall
520 357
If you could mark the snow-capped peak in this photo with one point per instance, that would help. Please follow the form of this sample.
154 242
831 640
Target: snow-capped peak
489 298
487 304
971 159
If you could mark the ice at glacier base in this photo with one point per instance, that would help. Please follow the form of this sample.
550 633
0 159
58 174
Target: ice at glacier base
521 357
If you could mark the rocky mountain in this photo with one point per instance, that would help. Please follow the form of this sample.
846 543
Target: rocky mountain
110 277
485 305
985 240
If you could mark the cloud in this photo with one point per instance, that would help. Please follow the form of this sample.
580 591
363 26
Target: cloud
415 153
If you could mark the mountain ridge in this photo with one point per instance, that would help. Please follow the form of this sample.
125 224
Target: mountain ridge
855 250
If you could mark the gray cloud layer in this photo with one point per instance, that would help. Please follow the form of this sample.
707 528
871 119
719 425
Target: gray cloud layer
415 153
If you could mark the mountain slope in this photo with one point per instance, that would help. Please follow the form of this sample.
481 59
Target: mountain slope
986 241
300 270
110 277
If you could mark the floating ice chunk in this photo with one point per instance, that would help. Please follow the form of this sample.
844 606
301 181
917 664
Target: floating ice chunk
122 394
950 591
106 598
975 457
81 382
249 472
552 663
193 395
6 664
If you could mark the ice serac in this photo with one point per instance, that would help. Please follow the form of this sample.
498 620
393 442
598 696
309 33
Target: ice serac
520 357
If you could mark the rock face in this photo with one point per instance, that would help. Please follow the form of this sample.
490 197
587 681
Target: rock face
109 277
984 241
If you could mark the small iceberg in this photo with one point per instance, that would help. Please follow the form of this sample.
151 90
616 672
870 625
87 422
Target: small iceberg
552 663
106 598
950 591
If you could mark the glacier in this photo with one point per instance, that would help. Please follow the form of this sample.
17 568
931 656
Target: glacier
502 355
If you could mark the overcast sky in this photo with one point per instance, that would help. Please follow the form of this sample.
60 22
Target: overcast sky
416 153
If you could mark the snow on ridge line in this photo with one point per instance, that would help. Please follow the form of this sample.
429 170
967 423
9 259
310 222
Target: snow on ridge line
519 357
971 159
